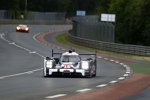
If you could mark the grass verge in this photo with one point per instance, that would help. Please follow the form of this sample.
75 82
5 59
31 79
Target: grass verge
138 68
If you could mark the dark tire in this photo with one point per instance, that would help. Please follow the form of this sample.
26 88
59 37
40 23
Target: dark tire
94 74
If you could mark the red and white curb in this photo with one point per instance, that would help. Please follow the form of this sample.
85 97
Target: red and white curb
123 77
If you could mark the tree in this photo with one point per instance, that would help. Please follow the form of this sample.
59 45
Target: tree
144 22
121 9
102 6
62 5
133 22
15 8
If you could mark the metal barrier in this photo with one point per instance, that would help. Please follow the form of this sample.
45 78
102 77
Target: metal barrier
13 21
33 18
91 28
108 46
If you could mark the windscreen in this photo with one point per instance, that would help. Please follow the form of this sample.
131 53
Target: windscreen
72 58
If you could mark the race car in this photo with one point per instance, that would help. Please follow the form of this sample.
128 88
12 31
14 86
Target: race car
22 28
70 63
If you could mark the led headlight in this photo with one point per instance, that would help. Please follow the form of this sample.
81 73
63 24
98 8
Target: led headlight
85 65
49 64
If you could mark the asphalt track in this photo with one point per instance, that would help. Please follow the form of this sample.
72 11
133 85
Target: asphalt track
21 63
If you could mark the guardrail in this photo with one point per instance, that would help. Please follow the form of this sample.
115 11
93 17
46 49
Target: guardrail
108 46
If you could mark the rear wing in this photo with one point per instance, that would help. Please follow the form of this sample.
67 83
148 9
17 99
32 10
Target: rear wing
94 54
87 54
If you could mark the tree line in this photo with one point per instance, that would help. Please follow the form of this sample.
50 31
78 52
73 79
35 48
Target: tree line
132 21
132 24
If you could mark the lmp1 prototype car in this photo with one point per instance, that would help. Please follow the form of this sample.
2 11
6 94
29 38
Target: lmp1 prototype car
70 63
22 28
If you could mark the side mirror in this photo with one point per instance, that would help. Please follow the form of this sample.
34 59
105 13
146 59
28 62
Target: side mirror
48 58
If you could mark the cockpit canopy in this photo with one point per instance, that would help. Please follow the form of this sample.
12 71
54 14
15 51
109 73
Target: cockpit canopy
70 58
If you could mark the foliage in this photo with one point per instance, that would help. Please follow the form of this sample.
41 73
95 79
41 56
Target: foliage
133 21
119 7
15 9
102 6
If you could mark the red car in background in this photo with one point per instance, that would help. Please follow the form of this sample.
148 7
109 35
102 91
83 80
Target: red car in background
22 28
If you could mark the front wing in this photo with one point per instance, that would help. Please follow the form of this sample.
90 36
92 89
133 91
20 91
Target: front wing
66 71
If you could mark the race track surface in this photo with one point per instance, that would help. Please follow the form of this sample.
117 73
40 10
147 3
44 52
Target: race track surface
21 63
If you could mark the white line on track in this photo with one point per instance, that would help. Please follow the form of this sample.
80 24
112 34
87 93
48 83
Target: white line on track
32 52
34 37
128 72
125 66
116 62
21 47
112 60
122 64
2 37
13 75
55 96
83 90
106 58
12 43
112 82
125 75
121 78
102 85
40 55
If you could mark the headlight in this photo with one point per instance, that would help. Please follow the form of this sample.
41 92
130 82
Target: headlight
85 65
18 28
26 29
49 64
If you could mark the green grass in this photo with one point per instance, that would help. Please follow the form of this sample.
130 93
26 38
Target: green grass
62 38
138 68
